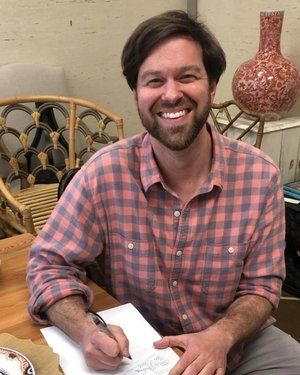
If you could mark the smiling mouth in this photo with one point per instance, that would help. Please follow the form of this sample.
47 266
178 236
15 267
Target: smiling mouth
173 115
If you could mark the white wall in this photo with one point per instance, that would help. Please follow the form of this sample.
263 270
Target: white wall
236 25
85 37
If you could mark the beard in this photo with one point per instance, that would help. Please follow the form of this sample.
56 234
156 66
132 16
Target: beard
175 137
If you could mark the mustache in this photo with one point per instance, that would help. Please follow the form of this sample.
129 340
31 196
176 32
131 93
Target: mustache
161 105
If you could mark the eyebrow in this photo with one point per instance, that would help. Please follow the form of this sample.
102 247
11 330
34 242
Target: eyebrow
185 68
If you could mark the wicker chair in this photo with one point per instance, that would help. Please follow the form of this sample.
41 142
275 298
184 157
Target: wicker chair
50 136
232 119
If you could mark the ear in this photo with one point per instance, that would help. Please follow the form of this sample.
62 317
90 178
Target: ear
213 89
135 96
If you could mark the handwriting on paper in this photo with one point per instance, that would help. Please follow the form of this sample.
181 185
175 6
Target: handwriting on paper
146 360
155 365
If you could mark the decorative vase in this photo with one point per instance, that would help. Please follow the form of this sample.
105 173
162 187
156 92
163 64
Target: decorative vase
268 83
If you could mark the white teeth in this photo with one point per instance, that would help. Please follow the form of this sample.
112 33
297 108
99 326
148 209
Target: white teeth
173 114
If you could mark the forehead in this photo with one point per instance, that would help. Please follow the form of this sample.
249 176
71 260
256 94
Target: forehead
173 53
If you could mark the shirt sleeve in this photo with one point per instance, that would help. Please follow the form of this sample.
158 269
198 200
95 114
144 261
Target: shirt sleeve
264 268
71 237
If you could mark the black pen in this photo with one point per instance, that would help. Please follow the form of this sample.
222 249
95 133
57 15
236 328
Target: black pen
100 323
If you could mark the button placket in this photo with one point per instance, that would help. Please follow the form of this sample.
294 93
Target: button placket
130 246
181 226
231 250
184 317
176 213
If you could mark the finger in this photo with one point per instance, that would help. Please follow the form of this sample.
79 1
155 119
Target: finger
220 371
169 341
97 363
97 359
209 369
183 364
106 344
121 339
193 369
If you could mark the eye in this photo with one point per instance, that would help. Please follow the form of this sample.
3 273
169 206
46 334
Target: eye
155 82
187 78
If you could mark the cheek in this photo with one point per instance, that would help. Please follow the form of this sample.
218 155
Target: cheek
146 100
205 98
197 92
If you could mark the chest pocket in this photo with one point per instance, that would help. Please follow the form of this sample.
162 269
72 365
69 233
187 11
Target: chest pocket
223 267
133 263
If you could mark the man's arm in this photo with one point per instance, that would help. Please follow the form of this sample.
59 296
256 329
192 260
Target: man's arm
72 237
244 317
100 351
208 349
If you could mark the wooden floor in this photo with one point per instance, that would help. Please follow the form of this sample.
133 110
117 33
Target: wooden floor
288 315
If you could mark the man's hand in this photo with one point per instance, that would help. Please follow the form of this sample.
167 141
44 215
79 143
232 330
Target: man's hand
102 352
205 352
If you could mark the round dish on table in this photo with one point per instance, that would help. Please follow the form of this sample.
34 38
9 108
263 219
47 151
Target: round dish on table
41 357
14 363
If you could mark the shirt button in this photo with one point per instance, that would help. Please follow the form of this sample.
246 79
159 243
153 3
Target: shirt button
177 213
231 250
175 283
184 317
130 246
179 253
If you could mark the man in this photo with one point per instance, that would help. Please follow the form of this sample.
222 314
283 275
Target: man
189 224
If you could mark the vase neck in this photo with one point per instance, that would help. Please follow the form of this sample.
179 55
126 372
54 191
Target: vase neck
270 31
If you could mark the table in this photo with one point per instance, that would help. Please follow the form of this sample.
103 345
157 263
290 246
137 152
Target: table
14 294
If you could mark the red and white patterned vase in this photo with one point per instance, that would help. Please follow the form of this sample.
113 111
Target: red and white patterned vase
268 83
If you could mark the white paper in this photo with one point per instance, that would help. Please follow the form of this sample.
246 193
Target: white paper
145 359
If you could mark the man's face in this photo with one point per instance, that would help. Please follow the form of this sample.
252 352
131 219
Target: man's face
173 94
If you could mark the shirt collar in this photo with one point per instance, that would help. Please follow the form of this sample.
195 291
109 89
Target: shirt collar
150 173
218 167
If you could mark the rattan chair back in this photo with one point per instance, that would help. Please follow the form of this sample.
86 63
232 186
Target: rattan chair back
41 139
233 120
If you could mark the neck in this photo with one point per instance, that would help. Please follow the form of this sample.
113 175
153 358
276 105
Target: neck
185 171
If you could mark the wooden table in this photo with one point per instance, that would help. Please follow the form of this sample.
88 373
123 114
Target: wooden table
14 294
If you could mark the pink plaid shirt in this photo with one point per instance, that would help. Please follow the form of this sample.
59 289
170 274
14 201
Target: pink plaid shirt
181 266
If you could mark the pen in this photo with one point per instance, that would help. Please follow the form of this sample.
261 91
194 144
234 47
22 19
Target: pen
100 323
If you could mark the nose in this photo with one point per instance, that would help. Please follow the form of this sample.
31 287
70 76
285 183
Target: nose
171 92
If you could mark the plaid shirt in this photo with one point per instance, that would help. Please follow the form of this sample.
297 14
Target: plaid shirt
181 266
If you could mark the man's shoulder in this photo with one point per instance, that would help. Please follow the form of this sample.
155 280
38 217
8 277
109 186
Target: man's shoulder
121 151
124 145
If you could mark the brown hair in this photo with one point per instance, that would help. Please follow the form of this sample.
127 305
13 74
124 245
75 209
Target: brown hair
155 30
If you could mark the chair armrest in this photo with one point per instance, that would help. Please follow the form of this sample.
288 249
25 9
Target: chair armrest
14 204
10 198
